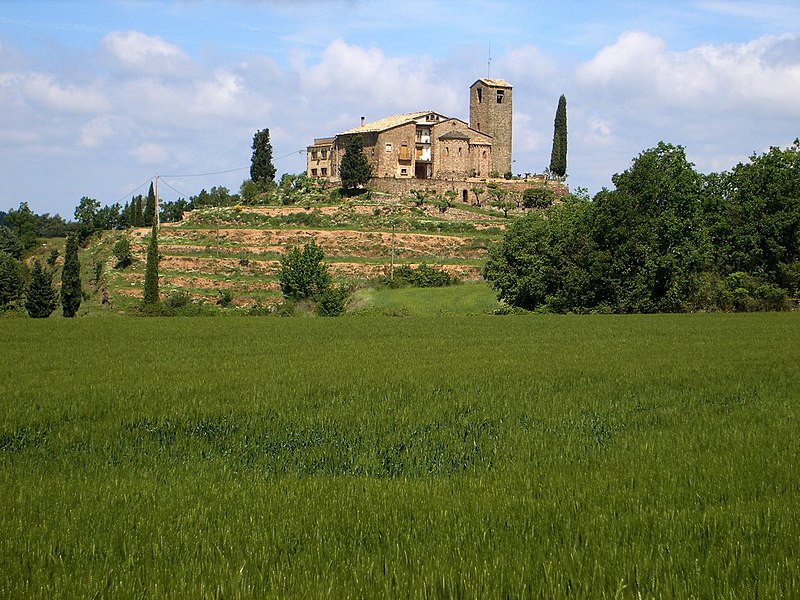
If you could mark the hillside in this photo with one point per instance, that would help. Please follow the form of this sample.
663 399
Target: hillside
237 250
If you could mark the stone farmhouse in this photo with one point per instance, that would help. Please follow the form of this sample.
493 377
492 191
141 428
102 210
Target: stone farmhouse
427 145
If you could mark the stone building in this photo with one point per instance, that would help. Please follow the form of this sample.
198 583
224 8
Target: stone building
427 144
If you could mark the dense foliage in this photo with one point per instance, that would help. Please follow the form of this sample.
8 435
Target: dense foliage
355 170
421 276
71 291
122 252
667 239
558 155
150 295
303 274
12 278
40 301
262 171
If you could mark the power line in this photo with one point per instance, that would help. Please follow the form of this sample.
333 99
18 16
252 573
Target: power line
166 183
136 189
229 170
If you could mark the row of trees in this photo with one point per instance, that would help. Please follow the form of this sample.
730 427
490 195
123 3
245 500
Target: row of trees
666 239
36 286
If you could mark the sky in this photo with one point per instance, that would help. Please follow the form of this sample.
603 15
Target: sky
97 98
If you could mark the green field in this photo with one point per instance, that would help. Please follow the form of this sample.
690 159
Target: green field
475 457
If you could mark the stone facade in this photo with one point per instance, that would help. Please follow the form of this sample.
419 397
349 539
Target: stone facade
318 158
428 145
490 112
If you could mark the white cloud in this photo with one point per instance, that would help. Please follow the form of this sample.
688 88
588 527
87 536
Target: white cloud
150 154
142 53
95 132
42 89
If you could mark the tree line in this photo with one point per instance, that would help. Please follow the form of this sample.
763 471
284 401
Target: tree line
666 239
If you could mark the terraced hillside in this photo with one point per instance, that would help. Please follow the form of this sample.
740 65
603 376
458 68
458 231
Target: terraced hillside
237 250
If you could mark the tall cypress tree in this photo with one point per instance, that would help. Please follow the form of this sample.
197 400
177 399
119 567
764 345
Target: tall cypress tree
71 279
558 157
150 208
150 295
41 298
262 171
355 170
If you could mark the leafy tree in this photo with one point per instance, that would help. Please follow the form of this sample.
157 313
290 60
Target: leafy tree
303 274
86 216
23 222
355 170
12 278
172 212
150 208
262 171
537 198
558 156
53 257
151 295
753 213
71 291
478 191
108 217
51 226
41 298
10 242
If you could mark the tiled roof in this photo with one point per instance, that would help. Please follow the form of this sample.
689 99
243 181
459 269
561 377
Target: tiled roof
494 82
454 135
388 122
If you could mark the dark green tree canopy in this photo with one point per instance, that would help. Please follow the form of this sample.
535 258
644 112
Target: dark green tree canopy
71 291
667 239
262 171
10 242
23 222
12 278
558 156
303 274
40 301
355 170
150 208
151 294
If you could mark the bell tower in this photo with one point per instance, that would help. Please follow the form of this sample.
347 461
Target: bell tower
490 102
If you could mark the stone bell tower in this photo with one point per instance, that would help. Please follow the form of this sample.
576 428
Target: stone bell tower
490 102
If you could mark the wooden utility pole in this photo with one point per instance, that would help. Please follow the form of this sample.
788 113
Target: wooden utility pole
391 271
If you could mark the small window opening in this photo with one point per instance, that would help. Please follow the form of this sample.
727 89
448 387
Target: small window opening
500 94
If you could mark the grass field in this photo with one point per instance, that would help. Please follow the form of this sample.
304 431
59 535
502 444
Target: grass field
578 457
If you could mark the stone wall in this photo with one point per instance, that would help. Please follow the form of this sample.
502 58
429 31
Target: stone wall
463 187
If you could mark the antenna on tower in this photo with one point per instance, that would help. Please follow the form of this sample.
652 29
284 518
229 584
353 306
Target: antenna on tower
489 65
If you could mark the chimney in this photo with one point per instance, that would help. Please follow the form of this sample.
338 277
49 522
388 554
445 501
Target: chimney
362 121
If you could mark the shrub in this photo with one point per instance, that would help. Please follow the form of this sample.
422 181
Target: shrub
331 301
302 273
122 252
537 198
422 276
225 298
178 299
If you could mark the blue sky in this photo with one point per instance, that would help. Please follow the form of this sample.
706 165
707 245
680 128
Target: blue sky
98 97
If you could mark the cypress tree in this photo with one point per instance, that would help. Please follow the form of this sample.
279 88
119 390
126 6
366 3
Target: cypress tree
262 171
41 299
71 279
150 296
149 216
355 169
558 157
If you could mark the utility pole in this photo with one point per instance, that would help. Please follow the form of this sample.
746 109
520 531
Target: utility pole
391 271
155 217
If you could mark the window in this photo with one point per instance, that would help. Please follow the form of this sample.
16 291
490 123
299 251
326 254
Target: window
446 151
500 94
314 155
324 154
459 150
478 126
403 171
404 152
389 147
324 172
313 172
480 95
484 154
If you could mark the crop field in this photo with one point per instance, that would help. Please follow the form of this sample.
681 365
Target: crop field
363 457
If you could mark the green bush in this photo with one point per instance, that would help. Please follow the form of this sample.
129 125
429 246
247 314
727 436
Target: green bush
422 276
331 301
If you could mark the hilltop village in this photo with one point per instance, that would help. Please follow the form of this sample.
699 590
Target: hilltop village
427 149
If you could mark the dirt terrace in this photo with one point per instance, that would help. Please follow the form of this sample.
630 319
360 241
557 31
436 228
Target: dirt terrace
335 243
